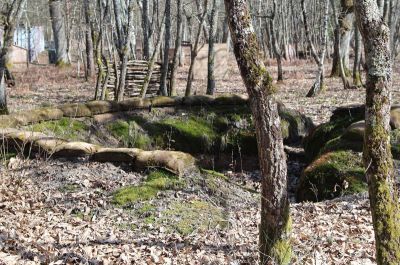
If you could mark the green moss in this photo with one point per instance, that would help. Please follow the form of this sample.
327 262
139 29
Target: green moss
340 143
196 215
197 134
319 136
67 188
331 175
64 128
61 64
282 251
285 128
155 182
130 134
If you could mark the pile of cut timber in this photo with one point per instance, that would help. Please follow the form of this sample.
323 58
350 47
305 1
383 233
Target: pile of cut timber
135 76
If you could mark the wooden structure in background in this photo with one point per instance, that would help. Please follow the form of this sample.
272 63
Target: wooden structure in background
135 76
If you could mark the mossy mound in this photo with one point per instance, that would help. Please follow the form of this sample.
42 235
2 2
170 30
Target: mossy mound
155 182
322 134
130 134
353 139
216 129
64 128
294 125
331 175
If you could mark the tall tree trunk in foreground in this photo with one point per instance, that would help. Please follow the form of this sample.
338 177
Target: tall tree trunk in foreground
60 37
211 50
275 218
165 64
10 22
378 161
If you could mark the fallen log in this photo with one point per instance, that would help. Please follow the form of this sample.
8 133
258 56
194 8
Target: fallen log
43 145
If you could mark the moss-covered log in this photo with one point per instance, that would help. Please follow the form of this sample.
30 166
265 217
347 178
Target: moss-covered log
378 161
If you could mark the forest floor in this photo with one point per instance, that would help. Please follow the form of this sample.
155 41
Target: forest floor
58 211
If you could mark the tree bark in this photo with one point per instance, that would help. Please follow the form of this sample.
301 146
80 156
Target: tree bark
341 52
60 38
195 51
275 218
147 42
274 42
319 81
152 61
13 14
211 49
383 194
89 41
125 52
357 59
178 41
165 64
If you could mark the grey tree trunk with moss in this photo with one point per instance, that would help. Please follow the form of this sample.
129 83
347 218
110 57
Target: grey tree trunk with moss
60 37
383 194
274 241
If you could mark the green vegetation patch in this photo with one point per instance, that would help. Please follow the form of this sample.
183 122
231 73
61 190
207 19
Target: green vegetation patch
69 188
67 128
130 134
155 182
196 215
331 175
319 136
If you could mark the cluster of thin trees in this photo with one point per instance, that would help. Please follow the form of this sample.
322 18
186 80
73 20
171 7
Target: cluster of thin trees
102 34
108 33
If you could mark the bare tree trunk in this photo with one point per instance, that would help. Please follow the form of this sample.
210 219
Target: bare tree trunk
274 42
125 52
195 50
178 41
147 42
118 25
275 217
341 54
383 194
60 37
319 82
3 93
211 49
357 59
12 16
89 41
165 64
